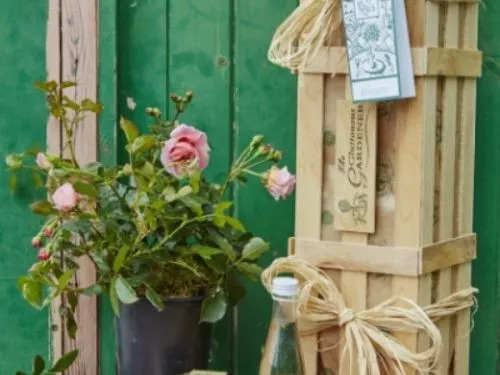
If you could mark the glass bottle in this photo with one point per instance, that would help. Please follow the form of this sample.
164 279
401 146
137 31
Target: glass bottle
282 352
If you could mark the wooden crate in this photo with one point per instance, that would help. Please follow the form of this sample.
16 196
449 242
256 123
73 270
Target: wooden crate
424 178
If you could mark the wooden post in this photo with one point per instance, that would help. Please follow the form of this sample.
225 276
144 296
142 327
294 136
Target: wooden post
72 56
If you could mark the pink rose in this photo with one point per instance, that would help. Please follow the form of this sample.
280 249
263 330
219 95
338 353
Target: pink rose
186 150
42 161
65 198
280 182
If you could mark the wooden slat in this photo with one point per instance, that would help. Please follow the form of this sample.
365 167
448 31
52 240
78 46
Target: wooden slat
415 137
446 254
467 121
359 257
446 171
427 61
309 180
403 261
79 64
334 91
54 139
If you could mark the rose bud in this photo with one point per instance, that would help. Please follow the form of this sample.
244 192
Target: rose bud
264 150
43 255
36 242
256 141
47 232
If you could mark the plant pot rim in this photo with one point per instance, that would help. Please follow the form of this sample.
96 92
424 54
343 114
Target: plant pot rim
177 299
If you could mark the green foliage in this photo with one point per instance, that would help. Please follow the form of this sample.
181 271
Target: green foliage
39 366
150 233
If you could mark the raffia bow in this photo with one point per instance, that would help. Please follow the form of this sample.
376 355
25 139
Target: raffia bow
368 345
299 38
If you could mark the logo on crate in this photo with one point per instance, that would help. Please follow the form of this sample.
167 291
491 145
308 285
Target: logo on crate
355 164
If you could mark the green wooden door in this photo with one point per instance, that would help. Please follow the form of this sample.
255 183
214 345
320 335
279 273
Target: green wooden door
218 49
23 331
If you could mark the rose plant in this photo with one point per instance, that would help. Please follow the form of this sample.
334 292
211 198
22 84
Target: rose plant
154 227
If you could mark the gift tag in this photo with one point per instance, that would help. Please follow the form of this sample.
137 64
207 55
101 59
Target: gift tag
355 177
378 49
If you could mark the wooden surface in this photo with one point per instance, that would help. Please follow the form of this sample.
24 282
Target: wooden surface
75 50
355 181
309 179
403 261
417 185
23 118
427 61
54 142
358 257
446 254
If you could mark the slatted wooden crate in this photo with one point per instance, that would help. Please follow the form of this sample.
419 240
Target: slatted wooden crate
424 178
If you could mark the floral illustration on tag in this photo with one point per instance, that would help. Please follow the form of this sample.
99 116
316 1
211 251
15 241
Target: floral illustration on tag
369 26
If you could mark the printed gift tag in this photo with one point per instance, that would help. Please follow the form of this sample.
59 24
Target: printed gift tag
378 49
355 177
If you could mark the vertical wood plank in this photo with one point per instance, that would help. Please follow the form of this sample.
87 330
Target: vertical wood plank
54 140
416 121
467 124
79 64
334 91
446 171
309 179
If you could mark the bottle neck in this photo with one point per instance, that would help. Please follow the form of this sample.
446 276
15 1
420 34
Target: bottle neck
284 309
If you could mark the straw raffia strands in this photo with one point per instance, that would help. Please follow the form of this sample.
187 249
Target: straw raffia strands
368 344
299 38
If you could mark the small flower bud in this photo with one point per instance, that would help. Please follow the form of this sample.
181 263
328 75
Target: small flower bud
264 150
256 141
189 96
47 232
153 111
276 156
174 98
43 255
36 242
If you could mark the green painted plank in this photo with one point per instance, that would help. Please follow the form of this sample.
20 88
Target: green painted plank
199 60
108 152
484 348
142 60
23 117
265 104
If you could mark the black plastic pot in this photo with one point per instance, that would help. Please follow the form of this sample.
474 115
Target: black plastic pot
170 342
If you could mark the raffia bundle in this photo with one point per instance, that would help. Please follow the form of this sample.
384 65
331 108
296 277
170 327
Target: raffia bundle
367 343
304 32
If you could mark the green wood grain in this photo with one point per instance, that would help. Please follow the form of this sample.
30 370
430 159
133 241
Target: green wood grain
108 153
23 118
486 269
199 40
265 104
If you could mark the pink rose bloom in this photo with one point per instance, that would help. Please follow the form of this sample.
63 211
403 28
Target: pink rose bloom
42 161
185 151
280 182
65 198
